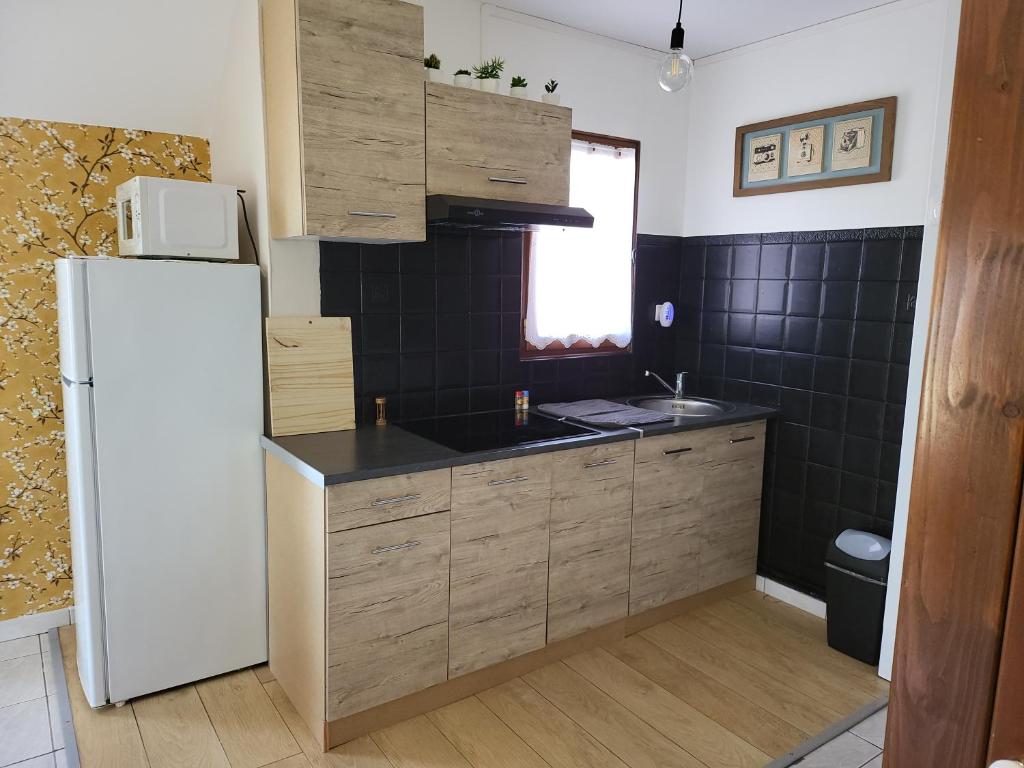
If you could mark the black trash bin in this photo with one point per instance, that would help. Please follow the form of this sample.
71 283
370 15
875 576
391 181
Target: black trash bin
856 572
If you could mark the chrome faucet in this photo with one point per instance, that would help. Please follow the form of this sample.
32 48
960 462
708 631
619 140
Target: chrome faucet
677 393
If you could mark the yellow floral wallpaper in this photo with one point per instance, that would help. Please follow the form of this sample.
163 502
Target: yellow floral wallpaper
57 184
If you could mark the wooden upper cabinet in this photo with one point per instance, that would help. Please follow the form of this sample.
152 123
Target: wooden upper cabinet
497 147
343 95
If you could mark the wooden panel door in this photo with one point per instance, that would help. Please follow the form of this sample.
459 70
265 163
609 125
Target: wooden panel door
591 511
498 147
731 504
499 568
667 489
387 612
1007 739
956 618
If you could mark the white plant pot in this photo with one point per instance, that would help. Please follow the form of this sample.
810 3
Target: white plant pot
464 81
489 84
436 75
551 98
518 91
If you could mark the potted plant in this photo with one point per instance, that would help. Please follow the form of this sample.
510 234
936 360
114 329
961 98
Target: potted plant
433 66
464 78
518 88
549 96
489 74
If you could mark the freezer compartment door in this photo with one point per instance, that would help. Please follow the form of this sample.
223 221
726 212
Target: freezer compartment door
85 541
73 318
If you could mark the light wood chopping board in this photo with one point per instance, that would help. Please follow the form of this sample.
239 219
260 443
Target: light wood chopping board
309 367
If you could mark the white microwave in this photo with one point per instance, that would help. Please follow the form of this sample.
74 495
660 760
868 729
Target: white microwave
176 219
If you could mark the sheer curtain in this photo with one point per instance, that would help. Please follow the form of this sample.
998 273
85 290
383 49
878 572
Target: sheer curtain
581 279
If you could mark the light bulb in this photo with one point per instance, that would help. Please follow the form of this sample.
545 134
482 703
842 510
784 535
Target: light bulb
675 71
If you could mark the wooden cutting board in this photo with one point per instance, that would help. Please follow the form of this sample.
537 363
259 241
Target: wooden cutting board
309 368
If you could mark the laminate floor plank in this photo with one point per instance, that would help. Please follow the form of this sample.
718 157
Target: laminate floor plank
176 731
246 720
108 737
770 607
416 743
554 736
695 732
776 696
741 716
482 738
632 740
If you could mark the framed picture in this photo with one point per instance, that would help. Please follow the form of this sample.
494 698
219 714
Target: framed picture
838 146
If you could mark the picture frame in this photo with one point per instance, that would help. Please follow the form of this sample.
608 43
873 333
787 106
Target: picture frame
833 147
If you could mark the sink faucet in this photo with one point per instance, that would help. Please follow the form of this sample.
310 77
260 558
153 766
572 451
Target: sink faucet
677 393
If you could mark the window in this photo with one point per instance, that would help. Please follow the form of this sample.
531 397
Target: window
578 283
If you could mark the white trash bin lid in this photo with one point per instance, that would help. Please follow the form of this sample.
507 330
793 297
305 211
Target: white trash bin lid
863 545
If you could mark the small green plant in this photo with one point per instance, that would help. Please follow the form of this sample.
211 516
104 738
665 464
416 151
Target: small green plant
490 70
551 86
519 82
432 62
463 72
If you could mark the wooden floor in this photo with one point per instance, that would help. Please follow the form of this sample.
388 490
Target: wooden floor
732 685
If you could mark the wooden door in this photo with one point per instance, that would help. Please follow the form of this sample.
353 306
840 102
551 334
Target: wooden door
966 494
1007 739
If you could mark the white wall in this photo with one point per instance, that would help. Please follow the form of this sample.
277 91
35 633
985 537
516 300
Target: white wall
892 50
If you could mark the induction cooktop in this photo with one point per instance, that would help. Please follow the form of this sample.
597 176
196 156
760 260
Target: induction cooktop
490 430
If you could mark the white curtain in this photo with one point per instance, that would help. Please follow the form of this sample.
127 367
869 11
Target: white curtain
581 279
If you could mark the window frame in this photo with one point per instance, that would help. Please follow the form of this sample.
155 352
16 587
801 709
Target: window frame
556 350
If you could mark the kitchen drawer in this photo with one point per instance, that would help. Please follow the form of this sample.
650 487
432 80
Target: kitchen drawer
368 502
736 441
496 147
681 449
387 612
591 512
499 568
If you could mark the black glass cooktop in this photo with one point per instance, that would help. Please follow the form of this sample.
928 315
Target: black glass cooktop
492 429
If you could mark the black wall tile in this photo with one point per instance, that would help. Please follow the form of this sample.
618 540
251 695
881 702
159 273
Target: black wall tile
774 263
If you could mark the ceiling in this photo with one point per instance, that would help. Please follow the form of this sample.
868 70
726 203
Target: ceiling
712 26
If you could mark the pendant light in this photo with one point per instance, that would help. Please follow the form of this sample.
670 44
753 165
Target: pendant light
676 68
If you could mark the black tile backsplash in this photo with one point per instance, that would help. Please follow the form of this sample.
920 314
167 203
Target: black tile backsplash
436 325
819 324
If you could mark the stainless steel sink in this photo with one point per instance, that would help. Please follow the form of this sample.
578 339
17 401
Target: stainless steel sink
684 407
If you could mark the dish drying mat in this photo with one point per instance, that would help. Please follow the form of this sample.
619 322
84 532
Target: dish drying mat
603 413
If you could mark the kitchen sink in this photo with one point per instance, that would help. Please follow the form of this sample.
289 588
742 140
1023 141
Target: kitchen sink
684 407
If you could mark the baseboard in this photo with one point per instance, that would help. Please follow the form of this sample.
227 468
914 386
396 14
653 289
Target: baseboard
33 624
790 596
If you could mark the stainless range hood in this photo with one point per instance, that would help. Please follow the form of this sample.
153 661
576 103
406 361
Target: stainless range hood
477 213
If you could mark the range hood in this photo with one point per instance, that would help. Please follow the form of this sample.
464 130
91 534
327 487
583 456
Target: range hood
477 213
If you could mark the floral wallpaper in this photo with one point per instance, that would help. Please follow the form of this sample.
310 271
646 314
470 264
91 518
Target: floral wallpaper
57 184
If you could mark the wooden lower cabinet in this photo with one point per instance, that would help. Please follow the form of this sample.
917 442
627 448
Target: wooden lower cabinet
387 611
499 567
591 509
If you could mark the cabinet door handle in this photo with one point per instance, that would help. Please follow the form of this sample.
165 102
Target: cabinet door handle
677 450
742 439
519 479
602 463
373 214
506 180
395 500
394 547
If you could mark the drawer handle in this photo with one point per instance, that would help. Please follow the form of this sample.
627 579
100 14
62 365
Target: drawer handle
742 439
519 479
602 463
677 450
396 500
394 548
373 214
506 180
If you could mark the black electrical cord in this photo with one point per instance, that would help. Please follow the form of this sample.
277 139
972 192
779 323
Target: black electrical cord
245 216
679 20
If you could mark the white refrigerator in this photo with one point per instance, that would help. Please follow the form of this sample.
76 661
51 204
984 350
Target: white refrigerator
162 375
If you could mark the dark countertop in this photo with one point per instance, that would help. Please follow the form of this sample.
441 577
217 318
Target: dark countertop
330 458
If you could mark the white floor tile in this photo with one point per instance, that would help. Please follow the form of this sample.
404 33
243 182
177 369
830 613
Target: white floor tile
43 761
872 729
49 674
24 731
56 727
844 751
60 759
21 679
23 646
